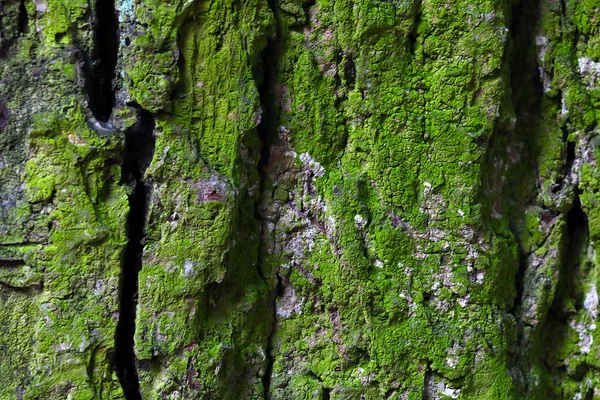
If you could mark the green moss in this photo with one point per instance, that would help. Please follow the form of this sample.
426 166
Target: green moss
73 278
387 172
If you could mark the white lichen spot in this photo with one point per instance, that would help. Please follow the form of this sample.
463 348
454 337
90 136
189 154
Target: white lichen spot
63 347
125 8
585 337
427 189
330 225
291 153
316 168
542 42
464 301
318 204
98 286
586 326
188 267
175 395
590 70
487 17
546 79
461 213
173 219
40 6
436 388
261 352
452 361
591 301
378 263
83 344
450 392
479 277
359 221
563 106
588 66
288 304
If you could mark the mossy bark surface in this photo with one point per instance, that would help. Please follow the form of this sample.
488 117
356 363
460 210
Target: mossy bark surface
288 199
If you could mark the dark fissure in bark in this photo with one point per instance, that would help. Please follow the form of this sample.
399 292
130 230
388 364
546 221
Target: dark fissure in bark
99 69
519 284
569 290
427 382
413 35
526 94
266 76
349 72
569 159
267 129
139 149
5 264
577 236
270 358
507 193
23 18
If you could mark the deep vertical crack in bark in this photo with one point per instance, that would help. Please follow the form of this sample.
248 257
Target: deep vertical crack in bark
267 131
541 327
23 18
569 294
99 72
139 149
270 358
414 30
427 382
526 97
514 143
99 69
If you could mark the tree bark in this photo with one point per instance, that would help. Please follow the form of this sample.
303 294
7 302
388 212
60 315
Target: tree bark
288 199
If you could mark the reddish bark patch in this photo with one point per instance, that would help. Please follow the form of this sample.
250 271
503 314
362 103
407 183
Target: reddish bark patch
211 189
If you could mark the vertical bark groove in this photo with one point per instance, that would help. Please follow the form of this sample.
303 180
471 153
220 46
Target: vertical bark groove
100 68
139 149
23 18
526 95
267 131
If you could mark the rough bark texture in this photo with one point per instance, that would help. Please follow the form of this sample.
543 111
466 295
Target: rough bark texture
278 199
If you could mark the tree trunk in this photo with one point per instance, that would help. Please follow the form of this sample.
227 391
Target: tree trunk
351 199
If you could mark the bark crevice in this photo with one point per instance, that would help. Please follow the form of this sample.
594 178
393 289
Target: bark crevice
266 78
414 32
526 99
23 18
270 358
139 149
99 69
569 296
